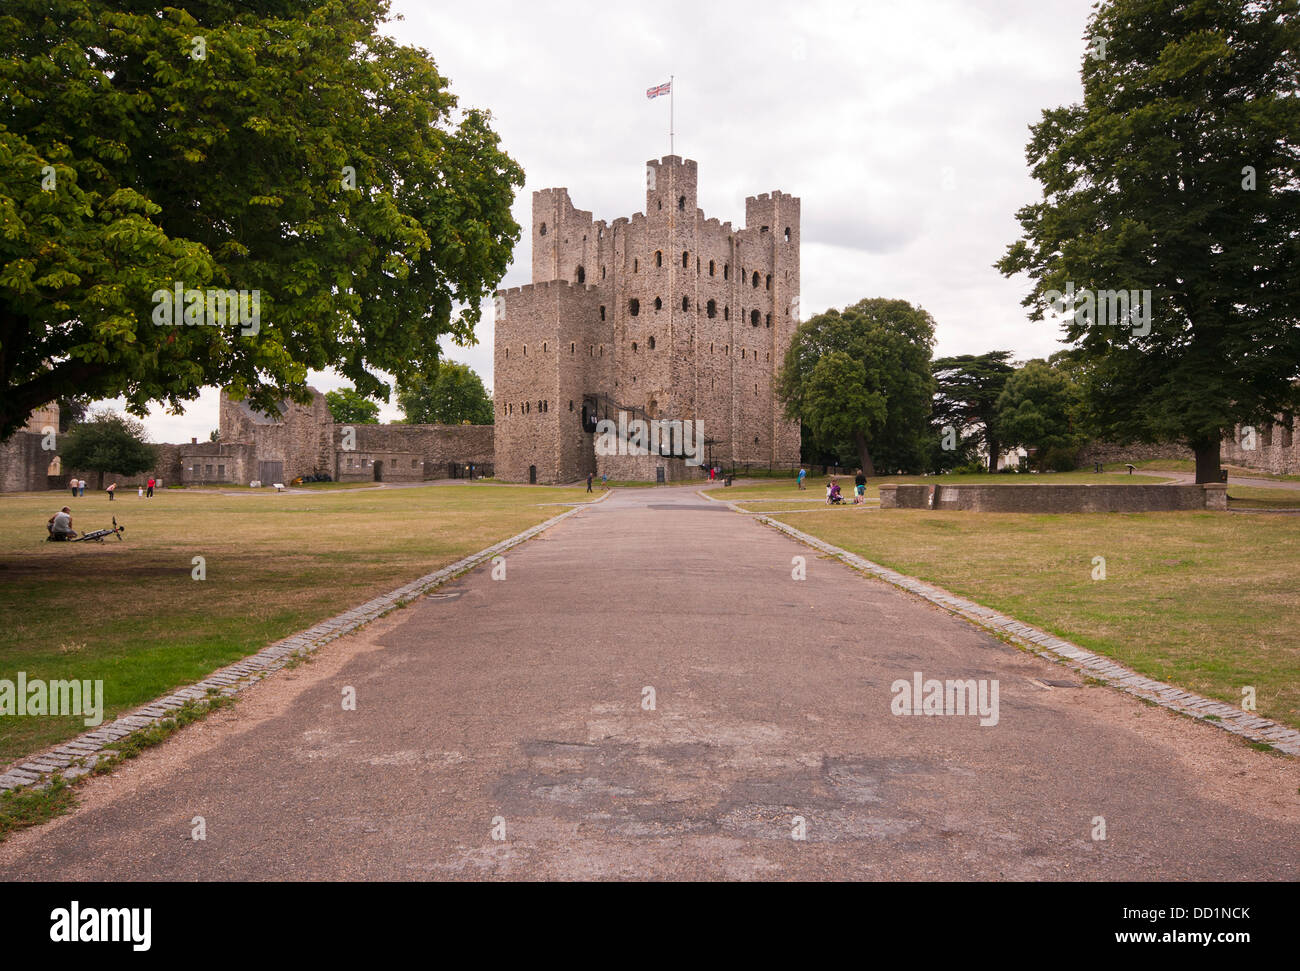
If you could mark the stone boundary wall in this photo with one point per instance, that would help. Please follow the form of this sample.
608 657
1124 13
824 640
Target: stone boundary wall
1056 498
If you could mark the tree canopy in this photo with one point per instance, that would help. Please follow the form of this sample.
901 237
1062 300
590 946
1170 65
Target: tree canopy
966 397
283 150
1038 411
456 396
1177 177
108 442
862 375
347 407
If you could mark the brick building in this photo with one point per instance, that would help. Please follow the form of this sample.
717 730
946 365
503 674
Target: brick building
666 315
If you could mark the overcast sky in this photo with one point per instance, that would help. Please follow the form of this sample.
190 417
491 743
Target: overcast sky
902 127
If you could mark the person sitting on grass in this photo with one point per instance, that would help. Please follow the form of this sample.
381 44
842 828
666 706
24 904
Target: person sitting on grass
60 524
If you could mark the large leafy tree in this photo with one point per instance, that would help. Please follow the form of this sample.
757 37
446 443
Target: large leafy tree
1038 410
1179 173
109 442
966 398
285 147
862 375
455 396
347 407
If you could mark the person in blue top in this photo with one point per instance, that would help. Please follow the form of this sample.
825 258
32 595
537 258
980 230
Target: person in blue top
803 473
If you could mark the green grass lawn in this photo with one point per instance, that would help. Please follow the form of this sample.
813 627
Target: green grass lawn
1207 601
131 613
1260 497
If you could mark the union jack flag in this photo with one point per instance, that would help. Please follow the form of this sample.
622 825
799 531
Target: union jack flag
659 89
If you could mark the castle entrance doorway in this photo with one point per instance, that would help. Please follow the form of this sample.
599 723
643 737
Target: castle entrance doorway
269 472
532 475
379 470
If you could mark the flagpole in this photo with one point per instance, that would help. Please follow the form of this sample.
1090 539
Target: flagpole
672 93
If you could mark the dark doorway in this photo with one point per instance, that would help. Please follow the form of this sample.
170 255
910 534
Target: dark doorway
379 471
532 475
269 473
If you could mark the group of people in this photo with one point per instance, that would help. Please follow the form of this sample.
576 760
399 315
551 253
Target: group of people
78 487
833 493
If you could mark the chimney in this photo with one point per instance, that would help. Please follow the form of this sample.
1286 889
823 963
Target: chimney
194 441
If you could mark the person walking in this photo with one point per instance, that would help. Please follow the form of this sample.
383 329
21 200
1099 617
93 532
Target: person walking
859 487
803 474
81 487
74 488
590 476
149 488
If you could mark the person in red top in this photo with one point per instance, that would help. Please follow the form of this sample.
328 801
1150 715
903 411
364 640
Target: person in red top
149 487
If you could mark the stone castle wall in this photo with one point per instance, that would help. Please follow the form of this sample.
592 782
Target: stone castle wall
1276 447
680 317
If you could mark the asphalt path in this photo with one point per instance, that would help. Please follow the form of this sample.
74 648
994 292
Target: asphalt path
648 693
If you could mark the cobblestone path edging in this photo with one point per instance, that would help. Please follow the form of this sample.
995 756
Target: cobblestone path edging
79 755
1053 648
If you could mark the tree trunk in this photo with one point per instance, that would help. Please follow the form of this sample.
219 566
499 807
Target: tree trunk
995 449
864 454
1207 460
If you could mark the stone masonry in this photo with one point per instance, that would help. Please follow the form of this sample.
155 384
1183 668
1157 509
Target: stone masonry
667 315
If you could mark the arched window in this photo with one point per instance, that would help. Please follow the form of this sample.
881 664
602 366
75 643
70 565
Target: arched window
686 260
768 321
573 347
582 275
636 265
652 342
634 347
681 204
686 303
726 271
634 306
542 231
753 318
659 257
507 353
544 344
711 308
525 350
659 304
787 234
755 280
602 273
769 281
710 267
726 313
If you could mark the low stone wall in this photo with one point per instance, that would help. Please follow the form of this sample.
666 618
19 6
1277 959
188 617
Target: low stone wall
1056 498
645 468
1139 452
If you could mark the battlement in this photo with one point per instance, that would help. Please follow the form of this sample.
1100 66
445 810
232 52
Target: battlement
544 286
651 314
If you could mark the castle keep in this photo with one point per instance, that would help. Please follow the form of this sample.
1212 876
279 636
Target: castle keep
665 315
